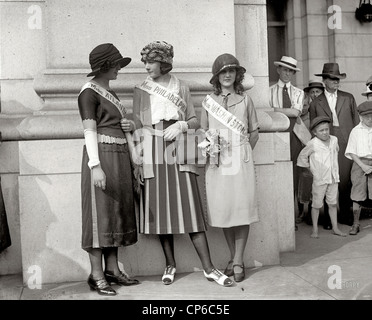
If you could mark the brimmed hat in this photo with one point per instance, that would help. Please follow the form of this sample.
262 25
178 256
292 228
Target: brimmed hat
369 87
318 120
314 84
331 69
223 62
104 53
365 108
159 51
287 62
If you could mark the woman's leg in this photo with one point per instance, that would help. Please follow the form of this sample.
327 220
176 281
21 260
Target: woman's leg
241 238
200 242
111 260
167 243
230 240
95 258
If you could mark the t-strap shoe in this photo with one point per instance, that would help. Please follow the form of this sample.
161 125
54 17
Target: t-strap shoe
168 275
121 279
219 277
239 276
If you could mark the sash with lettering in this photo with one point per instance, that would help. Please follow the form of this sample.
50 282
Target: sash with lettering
156 89
108 96
224 116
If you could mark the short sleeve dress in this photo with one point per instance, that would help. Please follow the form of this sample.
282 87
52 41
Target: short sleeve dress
231 186
108 216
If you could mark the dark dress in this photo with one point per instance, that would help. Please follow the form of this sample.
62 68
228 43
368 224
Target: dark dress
108 216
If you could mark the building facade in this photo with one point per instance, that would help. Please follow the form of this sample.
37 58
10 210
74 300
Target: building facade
44 61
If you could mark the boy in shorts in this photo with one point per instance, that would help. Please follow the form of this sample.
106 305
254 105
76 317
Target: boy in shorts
320 155
359 149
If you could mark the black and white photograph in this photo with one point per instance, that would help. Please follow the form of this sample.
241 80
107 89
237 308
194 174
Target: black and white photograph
185 156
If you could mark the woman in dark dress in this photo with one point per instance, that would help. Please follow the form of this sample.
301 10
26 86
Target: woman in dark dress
108 216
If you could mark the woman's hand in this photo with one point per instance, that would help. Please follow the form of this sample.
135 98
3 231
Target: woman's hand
126 125
99 177
172 131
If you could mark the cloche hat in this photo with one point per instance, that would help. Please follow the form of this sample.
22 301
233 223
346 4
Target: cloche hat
223 62
104 53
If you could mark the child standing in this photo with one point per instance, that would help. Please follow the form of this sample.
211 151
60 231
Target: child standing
231 185
320 154
359 149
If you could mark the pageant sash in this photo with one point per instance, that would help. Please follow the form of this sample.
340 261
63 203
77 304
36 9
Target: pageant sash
107 95
156 89
224 116
123 111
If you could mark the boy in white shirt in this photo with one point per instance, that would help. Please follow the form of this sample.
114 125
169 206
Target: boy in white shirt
359 149
321 154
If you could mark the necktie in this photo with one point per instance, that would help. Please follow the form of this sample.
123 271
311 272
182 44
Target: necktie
286 100
224 101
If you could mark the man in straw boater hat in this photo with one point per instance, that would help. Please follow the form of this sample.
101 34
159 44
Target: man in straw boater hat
287 99
368 92
341 107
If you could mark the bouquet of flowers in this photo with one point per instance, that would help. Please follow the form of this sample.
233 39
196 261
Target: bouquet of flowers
213 145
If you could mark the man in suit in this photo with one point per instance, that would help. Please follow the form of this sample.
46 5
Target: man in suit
287 99
341 107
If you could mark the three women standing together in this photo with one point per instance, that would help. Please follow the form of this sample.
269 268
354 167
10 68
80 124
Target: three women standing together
170 201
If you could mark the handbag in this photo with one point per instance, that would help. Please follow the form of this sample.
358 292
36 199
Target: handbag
187 151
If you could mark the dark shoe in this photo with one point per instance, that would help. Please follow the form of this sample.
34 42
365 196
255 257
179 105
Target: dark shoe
121 279
229 271
168 276
101 286
354 229
239 276
327 227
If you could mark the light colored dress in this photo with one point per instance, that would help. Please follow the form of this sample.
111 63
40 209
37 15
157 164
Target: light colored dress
231 186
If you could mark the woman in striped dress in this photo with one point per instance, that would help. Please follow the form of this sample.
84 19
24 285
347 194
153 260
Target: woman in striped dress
171 204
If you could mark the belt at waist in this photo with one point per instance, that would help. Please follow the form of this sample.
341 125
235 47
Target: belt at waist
102 138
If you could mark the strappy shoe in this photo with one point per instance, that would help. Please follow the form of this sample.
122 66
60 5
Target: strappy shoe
229 271
168 275
354 229
239 276
219 277
101 286
121 279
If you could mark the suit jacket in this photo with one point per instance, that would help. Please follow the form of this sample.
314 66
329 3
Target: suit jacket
346 110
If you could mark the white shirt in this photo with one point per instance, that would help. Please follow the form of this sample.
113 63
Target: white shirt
276 95
322 160
162 109
332 100
360 142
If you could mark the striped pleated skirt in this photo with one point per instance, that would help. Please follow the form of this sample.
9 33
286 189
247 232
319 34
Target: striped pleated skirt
108 216
171 202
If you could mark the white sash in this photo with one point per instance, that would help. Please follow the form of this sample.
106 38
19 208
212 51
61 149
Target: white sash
156 89
123 111
107 95
224 116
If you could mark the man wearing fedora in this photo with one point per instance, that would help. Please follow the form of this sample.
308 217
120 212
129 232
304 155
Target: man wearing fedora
287 99
368 92
341 107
